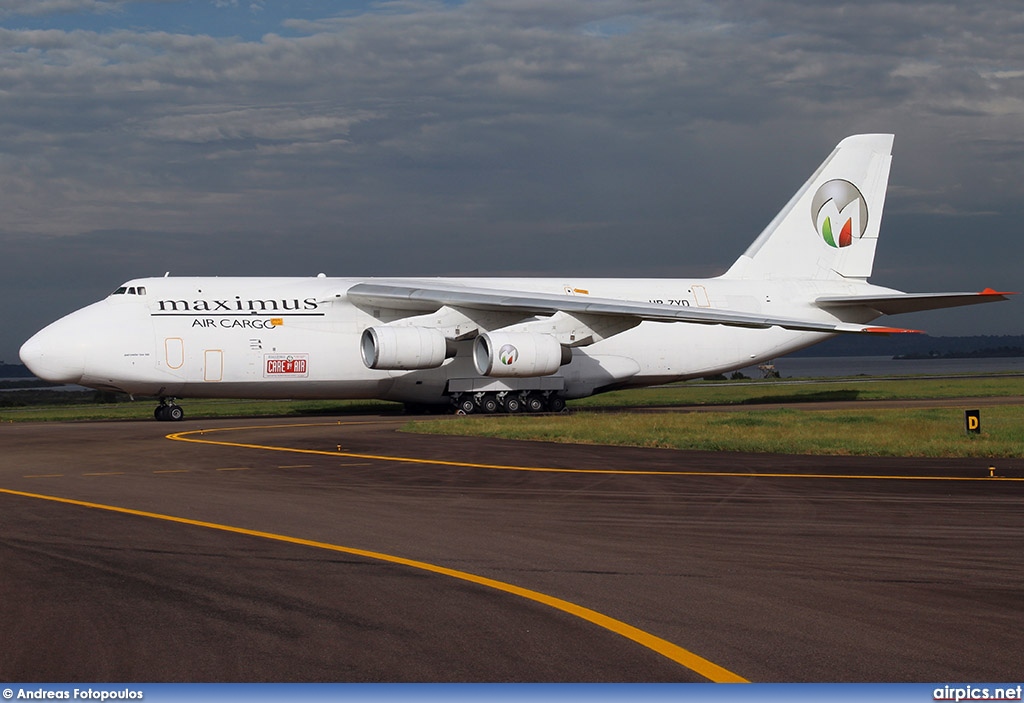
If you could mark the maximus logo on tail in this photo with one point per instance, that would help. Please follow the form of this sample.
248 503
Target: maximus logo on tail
839 213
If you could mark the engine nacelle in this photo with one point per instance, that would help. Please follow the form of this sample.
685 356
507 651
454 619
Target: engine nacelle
518 354
402 348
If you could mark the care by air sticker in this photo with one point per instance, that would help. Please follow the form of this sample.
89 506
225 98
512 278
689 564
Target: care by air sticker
286 364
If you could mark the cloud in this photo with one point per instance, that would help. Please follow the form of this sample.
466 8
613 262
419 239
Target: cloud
39 8
473 84
566 128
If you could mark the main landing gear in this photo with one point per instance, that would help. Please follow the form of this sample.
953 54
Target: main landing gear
168 411
507 402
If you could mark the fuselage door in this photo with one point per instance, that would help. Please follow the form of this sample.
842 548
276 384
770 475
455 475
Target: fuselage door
174 352
213 365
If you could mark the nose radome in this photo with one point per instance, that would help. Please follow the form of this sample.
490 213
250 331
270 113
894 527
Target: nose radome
54 355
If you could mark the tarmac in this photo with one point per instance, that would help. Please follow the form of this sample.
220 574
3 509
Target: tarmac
340 549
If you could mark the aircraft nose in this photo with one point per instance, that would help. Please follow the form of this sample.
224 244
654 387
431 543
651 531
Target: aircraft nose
54 356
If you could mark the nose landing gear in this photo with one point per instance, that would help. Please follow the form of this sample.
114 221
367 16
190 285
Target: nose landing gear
168 411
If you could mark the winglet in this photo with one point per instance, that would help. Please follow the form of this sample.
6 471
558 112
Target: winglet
891 330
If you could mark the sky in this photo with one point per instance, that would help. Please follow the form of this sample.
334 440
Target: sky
494 137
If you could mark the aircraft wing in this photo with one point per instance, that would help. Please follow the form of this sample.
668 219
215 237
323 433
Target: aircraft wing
912 302
429 296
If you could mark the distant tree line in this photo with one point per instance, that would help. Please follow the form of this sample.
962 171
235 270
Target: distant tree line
14 371
918 346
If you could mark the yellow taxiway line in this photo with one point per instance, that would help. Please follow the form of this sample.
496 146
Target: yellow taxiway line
695 663
189 436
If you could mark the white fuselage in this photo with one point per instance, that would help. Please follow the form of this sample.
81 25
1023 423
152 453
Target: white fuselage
300 338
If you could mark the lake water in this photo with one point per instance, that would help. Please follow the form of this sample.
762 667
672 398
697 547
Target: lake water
844 366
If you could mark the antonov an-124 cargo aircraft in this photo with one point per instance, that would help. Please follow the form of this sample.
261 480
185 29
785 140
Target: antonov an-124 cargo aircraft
498 344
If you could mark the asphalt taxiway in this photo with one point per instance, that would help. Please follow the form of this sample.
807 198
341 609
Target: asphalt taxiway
343 550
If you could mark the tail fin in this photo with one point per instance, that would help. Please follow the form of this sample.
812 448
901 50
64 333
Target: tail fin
829 229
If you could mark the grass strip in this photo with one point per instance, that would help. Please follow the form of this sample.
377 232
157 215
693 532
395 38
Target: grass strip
932 432
807 390
882 432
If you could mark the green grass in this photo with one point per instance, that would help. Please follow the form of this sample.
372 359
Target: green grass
933 432
143 409
870 431
788 391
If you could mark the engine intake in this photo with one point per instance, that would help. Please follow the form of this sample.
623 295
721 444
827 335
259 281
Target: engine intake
402 348
518 354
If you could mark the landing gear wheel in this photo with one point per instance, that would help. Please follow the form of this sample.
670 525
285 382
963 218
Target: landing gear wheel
513 404
169 412
534 403
556 404
466 406
489 403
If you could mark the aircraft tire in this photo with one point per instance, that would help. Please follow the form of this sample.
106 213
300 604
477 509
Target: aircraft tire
556 403
467 406
513 404
534 403
489 403
169 412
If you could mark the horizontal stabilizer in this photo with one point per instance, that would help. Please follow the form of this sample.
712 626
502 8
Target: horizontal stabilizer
911 302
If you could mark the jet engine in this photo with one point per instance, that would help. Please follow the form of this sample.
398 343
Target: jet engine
518 354
402 348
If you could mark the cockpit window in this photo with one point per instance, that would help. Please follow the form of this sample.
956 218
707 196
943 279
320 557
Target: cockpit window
130 290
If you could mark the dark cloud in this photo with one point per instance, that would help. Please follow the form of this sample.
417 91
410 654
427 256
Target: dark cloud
39 8
610 137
